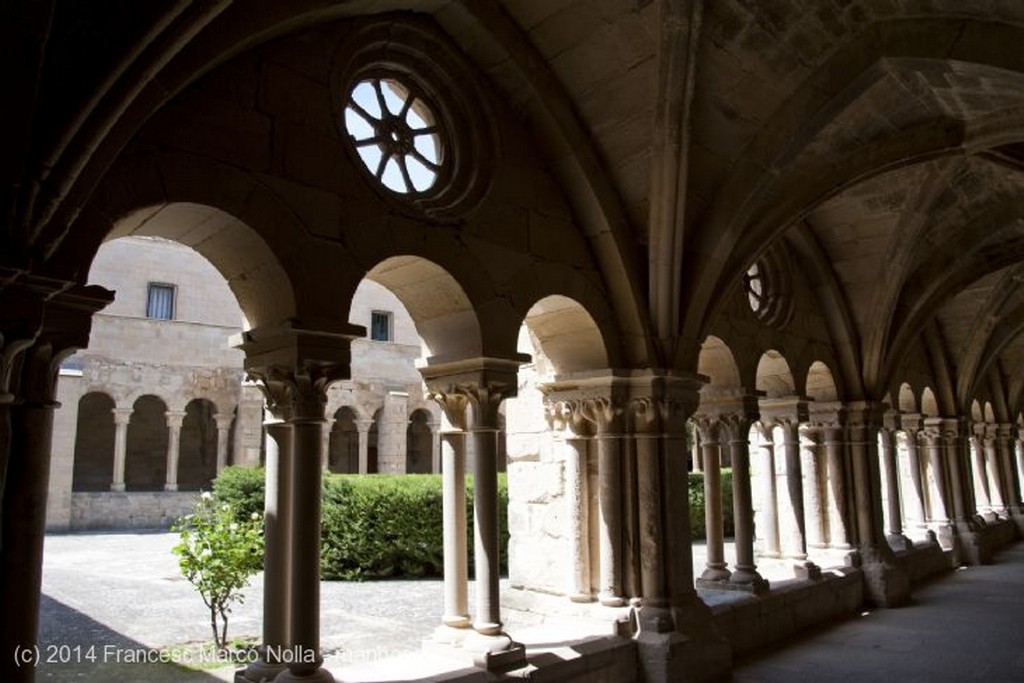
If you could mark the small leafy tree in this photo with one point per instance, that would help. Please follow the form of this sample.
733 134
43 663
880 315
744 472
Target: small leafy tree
218 555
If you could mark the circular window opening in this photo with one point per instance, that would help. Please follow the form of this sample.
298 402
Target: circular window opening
396 135
768 288
753 283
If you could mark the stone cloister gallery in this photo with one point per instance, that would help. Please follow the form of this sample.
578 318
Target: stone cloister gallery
797 223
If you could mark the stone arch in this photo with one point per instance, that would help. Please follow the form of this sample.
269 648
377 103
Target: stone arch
93 468
444 316
718 363
564 333
197 459
146 451
821 385
774 376
907 402
343 446
929 406
419 438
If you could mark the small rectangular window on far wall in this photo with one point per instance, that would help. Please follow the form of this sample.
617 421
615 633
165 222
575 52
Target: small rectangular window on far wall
160 301
380 326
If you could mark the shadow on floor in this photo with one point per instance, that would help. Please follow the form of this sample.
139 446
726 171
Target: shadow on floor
74 647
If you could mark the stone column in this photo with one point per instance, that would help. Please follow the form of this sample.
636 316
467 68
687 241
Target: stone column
174 420
955 469
223 432
482 384
993 473
783 417
325 447
363 429
435 446
886 583
912 489
675 635
733 414
769 531
814 508
697 456
122 416
891 483
277 554
1004 435
455 621
839 536
41 324
980 478
296 366
939 517
605 415
1018 451
567 421
709 427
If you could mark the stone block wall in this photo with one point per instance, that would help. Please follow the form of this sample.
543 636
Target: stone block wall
129 510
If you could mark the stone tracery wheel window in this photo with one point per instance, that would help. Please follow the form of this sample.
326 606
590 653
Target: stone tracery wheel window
767 286
396 134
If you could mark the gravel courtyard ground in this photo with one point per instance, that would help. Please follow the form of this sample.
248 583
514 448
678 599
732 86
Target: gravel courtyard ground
110 599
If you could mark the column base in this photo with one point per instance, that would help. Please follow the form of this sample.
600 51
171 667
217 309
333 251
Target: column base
170 487
320 675
899 542
609 600
807 571
886 583
117 488
674 657
714 573
448 635
581 597
494 652
259 671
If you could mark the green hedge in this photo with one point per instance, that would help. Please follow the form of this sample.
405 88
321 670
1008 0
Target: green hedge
376 526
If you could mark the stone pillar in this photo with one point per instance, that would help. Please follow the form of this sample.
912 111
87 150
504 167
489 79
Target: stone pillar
174 420
956 470
122 416
223 431
769 531
939 517
839 532
814 508
1004 435
912 484
697 457
605 414
573 442
886 583
41 323
277 554
980 478
1018 451
296 366
675 633
325 447
993 474
891 483
435 446
481 384
737 431
783 416
363 429
709 429
455 621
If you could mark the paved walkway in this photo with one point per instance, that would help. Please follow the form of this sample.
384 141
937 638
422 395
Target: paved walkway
120 597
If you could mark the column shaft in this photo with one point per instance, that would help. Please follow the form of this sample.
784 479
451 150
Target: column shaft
577 523
838 529
994 477
745 571
609 475
713 522
814 508
456 575
981 488
121 419
651 532
791 500
277 553
769 508
173 450
487 619
915 492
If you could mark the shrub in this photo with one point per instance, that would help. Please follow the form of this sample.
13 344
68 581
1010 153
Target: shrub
242 488
375 526
218 555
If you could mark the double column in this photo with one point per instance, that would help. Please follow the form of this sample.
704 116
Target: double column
295 367
470 393
890 477
912 489
726 422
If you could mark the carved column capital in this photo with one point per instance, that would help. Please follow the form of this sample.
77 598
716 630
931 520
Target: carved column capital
175 417
567 414
223 420
482 384
122 416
